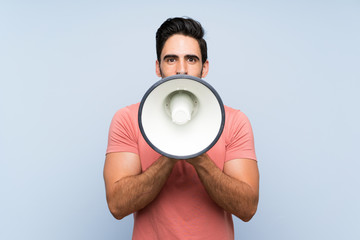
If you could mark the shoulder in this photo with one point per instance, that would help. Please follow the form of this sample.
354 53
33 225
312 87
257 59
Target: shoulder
236 124
126 118
238 135
233 116
127 113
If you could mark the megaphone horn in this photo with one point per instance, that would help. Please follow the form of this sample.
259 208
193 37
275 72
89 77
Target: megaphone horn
181 116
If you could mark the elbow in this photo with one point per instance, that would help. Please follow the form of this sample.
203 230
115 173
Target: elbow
116 211
119 217
117 214
247 218
250 211
248 214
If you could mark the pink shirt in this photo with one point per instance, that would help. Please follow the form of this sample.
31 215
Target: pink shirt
183 209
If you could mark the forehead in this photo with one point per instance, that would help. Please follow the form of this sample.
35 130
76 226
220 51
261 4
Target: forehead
181 45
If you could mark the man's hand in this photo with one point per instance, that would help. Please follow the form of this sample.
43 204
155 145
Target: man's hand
236 189
198 160
128 189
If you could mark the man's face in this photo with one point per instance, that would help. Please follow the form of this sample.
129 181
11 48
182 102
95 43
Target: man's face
181 55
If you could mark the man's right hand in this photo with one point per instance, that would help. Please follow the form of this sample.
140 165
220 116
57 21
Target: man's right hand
128 189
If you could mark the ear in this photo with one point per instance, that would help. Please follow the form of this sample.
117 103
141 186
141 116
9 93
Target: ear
157 68
205 69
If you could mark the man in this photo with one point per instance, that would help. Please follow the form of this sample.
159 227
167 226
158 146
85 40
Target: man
181 199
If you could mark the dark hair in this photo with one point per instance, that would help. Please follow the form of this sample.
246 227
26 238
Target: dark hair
185 26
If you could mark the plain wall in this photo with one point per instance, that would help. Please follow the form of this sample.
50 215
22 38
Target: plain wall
67 66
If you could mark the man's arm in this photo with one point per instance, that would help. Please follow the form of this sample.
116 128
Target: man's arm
127 188
236 189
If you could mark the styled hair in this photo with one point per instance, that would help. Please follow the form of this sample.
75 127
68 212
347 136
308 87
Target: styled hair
184 26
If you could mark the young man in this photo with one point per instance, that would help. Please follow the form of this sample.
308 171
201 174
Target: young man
181 199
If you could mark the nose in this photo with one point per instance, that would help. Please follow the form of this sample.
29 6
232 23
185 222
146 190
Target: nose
181 67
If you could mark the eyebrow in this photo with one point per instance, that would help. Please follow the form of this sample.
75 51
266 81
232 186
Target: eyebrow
170 56
192 56
176 56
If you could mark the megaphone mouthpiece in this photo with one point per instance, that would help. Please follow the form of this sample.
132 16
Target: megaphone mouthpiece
181 107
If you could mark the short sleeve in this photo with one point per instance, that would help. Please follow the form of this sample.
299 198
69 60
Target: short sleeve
239 137
123 136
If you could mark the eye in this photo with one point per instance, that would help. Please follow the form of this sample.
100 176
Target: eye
192 59
170 60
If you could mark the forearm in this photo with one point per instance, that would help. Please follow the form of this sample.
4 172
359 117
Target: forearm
232 195
133 193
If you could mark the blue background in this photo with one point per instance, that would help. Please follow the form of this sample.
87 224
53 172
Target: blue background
67 66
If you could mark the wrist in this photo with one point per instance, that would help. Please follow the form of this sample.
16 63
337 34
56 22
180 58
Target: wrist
167 161
199 160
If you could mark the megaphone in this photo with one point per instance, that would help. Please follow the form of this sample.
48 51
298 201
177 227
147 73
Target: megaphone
181 116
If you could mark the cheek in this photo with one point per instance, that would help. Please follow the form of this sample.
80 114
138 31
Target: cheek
195 70
168 68
167 71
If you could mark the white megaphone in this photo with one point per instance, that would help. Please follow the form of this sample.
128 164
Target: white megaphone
181 116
